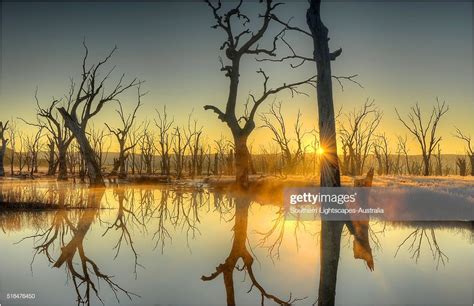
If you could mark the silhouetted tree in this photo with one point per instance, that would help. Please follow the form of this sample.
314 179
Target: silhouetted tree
49 118
90 98
100 144
237 48
469 147
164 125
274 121
122 135
425 133
461 163
147 149
357 136
3 143
12 131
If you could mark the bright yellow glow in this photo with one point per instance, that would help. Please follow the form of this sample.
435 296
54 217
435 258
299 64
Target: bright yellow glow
320 151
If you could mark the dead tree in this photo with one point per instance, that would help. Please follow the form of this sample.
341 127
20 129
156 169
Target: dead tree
147 149
403 148
12 131
122 135
90 98
274 121
3 148
439 164
195 146
461 163
164 125
135 137
49 118
33 145
221 147
469 147
51 156
357 136
20 154
100 145
180 147
382 154
237 48
329 167
425 133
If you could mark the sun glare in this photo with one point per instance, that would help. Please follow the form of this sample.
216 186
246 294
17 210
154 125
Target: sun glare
320 151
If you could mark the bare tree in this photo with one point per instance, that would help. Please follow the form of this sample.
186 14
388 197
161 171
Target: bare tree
425 133
122 135
12 131
461 163
164 125
236 48
56 126
356 135
274 121
51 156
382 154
195 146
147 148
20 154
90 98
100 145
469 147
33 145
135 137
439 164
330 175
180 147
3 148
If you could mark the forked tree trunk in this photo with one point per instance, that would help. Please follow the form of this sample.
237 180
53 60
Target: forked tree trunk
330 176
88 154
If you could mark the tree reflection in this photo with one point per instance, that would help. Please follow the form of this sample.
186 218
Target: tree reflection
240 251
85 274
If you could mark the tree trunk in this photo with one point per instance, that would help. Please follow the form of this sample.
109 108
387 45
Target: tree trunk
51 159
426 165
12 161
88 154
242 161
122 170
62 163
471 159
3 149
330 175
216 164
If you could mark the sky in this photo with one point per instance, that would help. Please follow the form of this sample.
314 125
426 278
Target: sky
404 52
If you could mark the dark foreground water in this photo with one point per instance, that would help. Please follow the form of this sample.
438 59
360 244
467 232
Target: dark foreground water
153 245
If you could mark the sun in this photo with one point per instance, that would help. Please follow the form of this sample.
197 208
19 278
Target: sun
320 151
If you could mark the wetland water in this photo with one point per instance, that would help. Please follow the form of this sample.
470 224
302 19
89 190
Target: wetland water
148 245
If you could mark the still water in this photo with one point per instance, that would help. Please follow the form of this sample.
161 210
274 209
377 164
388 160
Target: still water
175 245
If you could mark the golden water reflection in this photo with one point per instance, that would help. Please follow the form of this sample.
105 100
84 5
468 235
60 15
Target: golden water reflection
134 244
